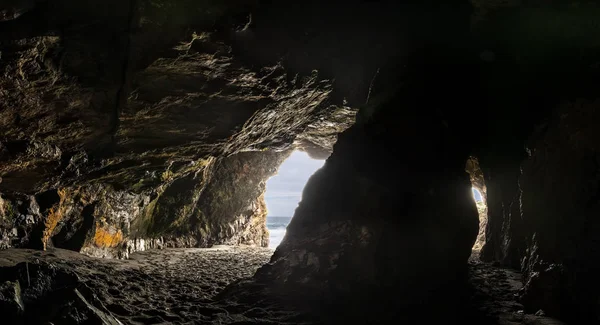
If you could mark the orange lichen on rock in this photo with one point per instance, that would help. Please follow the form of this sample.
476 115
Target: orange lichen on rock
55 214
52 220
107 238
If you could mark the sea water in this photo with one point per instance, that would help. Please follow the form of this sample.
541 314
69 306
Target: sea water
277 226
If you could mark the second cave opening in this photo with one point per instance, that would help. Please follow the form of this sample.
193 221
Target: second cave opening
480 197
284 192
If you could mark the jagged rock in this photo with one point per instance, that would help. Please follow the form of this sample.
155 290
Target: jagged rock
13 9
95 315
478 181
11 302
115 144
54 293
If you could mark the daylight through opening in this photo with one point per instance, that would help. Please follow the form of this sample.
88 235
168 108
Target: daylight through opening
477 195
480 198
284 192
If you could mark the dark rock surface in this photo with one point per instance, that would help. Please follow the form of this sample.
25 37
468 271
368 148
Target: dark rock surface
130 125
541 175
50 294
372 221
562 256
11 302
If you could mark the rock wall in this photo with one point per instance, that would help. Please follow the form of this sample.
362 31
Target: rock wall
393 201
94 220
118 122
222 203
539 165
373 222
544 213
505 232
521 80
478 182
128 125
561 213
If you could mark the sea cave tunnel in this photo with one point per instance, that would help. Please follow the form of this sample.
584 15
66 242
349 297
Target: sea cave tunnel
139 139
284 192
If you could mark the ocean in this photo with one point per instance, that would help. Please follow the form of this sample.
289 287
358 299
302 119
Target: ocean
276 226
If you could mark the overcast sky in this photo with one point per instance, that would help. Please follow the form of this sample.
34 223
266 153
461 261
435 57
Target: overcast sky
284 190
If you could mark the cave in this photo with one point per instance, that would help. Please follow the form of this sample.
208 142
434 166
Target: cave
137 139
284 191
479 196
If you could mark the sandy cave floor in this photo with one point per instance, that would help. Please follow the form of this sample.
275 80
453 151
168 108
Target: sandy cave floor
495 295
170 286
178 286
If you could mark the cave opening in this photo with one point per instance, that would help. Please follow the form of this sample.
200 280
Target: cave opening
479 196
284 192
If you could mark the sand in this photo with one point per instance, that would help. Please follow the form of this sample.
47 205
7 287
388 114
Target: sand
179 286
170 286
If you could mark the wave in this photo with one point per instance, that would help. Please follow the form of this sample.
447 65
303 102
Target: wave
276 225
275 237
277 228
279 219
278 222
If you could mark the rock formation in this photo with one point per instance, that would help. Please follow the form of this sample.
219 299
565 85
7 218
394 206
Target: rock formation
540 173
129 125
117 137
478 182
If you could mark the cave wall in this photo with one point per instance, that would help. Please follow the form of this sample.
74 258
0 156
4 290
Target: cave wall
128 127
374 221
478 182
393 200
124 114
545 211
561 212
95 220
222 203
538 165
526 70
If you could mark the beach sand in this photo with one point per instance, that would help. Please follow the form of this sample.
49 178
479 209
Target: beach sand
180 286
170 286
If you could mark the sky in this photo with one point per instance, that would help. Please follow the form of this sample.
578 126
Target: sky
476 195
284 190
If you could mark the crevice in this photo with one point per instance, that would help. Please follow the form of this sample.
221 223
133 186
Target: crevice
125 83
74 235
480 197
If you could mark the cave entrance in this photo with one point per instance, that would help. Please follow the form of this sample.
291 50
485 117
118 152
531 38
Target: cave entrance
480 197
284 192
